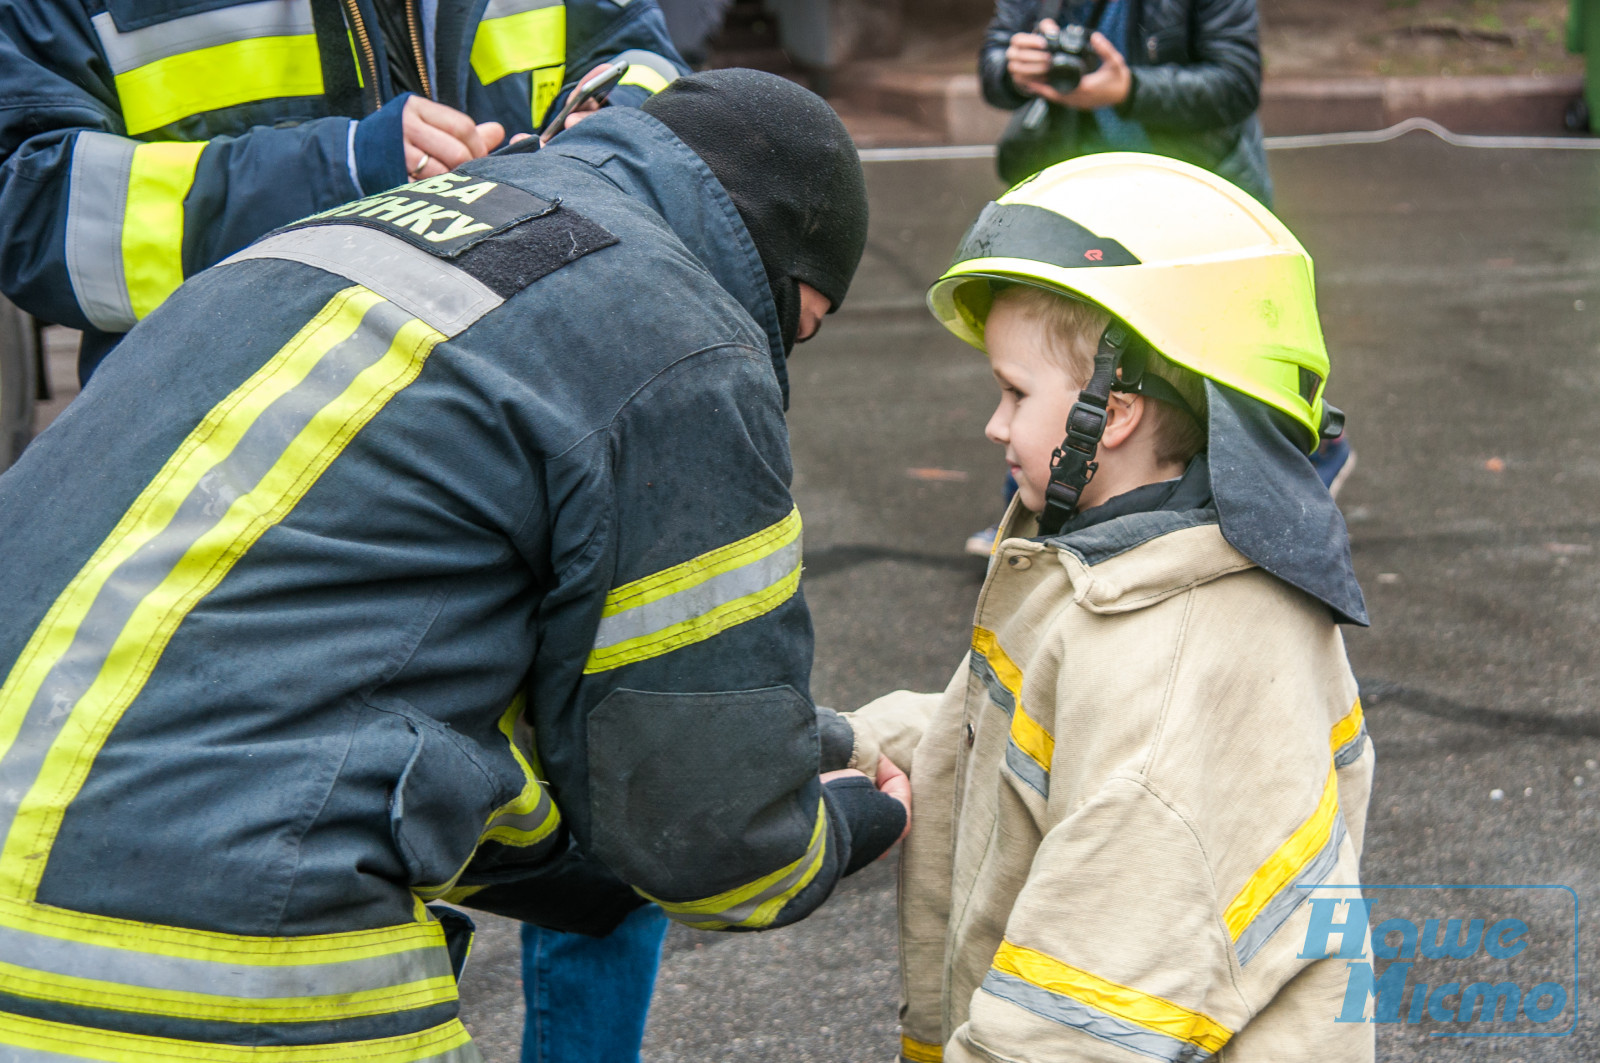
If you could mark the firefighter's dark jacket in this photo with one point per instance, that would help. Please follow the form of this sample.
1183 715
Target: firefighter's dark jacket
380 533
144 140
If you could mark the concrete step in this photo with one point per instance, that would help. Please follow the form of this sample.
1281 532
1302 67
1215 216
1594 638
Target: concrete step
950 108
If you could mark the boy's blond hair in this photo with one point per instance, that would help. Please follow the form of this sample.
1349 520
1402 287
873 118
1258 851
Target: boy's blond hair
1072 329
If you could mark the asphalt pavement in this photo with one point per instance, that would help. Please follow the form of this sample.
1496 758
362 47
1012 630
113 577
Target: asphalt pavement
1460 291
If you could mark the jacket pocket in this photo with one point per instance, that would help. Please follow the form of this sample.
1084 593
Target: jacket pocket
440 802
688 792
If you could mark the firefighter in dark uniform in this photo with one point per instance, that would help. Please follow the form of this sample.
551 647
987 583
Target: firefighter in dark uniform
148 139
445 551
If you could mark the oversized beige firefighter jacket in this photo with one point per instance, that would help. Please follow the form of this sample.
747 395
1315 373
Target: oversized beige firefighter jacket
1151 750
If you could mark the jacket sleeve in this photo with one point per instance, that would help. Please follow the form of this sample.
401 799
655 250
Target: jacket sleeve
1114 948
1010 17
686 759
892 725
100 228
601 31
1219 84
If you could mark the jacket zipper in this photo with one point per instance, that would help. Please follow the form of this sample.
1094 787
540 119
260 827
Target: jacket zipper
416 47
365 43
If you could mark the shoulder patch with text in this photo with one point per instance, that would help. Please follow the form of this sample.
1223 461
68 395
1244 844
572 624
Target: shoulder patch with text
443 215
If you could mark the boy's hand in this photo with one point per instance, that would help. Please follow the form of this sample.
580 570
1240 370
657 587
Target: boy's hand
891 782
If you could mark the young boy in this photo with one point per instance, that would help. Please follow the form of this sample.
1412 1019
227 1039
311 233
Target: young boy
1154 757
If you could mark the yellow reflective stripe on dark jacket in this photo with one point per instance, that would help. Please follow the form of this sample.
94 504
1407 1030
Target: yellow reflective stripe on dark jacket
238 473
125 225
27 1040
647 70
1120 1015
692 601
523 35
183 66
528 819
758 903
1030 747
1306 858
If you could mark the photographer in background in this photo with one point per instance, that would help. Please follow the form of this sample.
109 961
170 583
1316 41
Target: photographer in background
1177 77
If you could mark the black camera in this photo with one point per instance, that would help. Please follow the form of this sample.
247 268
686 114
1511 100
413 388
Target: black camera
1070 54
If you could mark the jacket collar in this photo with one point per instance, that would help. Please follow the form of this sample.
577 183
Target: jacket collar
644 159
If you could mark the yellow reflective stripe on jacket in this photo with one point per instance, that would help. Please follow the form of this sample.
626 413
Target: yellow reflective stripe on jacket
1274 891
204 62
105 633
1122 1015
29 1040
125 225
758 903
1031 748
920 1051
647 70
1348 735
692 601
530 818
152 229
518 35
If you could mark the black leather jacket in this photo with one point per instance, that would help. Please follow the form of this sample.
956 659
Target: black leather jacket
1196 85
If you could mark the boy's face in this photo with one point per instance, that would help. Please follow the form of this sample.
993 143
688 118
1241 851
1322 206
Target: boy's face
1036 395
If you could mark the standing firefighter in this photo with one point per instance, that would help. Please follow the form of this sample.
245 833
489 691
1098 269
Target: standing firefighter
148 139
453 557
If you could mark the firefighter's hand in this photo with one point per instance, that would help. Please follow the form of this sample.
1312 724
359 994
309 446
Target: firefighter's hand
891 782
587 107
440 138
1105 86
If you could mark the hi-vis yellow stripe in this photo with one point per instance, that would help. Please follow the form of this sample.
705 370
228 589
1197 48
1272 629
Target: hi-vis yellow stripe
1292 856
523 41
85 992
920 1051
726 909
1026 732
645 77
1346 729
698 570
141 642
1119 1001
224 75
449 1041
152 227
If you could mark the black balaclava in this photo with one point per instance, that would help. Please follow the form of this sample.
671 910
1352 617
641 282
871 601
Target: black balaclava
790 168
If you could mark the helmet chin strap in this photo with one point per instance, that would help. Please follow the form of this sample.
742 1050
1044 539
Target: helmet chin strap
1072 464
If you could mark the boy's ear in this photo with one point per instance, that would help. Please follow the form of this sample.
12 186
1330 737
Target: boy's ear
1124 414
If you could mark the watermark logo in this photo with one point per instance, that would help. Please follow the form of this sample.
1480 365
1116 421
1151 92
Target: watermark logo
1463 961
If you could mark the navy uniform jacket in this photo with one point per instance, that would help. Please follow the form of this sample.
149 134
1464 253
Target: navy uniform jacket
424 540
144 140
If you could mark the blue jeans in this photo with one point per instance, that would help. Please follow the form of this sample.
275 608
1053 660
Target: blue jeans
588 997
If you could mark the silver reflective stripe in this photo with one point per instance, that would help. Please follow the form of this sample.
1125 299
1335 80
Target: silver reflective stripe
997 690
742 911
1283 904
700 599
445 297
1351 750
266 18
1091 1020
76 959
525 821
97 203
1027 769
658 63
502 8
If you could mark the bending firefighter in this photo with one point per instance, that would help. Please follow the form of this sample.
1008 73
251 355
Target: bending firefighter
1151 767
406 582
